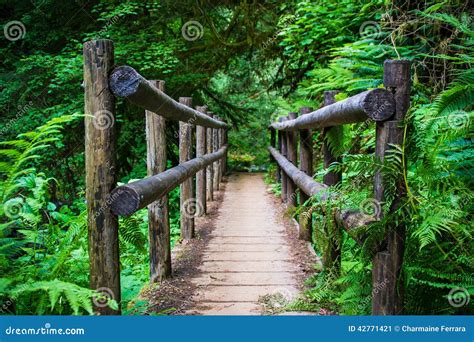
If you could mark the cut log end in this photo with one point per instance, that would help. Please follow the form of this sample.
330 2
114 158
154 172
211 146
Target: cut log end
379 104
125 201
124 81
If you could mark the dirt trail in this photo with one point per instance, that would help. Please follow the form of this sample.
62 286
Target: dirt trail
248 254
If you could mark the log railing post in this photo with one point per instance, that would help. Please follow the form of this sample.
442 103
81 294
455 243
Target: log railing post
225 141
292 151
210 168
187 202
273 143
279 148
100 148
215 142
201 200
306 165
332 255
387 263
221 161
284 176
158 213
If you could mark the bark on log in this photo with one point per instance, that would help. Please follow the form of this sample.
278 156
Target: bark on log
127 82
225 141
201 175
210 168
158 213
215 142
305 219
221 161
377 104
131 197
187 201
331 178
291 152
279 147
332 254
100 144
283 151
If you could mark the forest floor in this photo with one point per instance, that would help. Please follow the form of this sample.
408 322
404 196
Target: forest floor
246 260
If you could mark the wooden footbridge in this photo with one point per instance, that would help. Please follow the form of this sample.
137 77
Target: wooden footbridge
247 255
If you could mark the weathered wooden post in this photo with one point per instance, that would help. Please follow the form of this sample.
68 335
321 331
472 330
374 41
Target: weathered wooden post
306 165
292 152
387 277
331 178
273 142
221 161
201 175
225 141
283 151
279 148
215 142
187 202
210 168
158 214
332 255
100 144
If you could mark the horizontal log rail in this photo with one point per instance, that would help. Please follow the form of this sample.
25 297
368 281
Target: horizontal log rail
377 105
302 180
129 198
349 219
126 82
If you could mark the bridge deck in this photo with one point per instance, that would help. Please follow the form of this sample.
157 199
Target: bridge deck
248 255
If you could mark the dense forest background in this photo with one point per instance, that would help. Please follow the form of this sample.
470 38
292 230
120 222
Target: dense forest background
250 62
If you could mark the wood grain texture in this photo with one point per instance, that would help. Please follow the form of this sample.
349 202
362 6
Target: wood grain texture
215 143
201 175
291 155
158 212
187 200
387 263
377 104
210 168
100 147
306 165
332 254
283 151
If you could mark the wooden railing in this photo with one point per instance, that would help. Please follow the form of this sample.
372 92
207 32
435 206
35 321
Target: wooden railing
387 108
103 82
